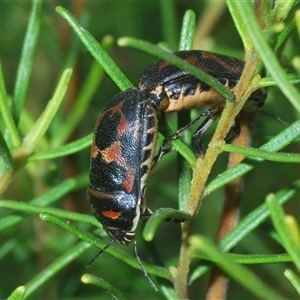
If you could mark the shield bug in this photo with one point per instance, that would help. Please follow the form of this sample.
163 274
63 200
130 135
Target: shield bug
121 158
171 89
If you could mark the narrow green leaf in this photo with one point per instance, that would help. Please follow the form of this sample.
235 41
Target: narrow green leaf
275 144
176 61
278 218
64 150
8 221
86 93
239 24
61 189
167 291
158 217
95 241
269 81
239 273
26 122
169 25
25 65
187 31
294 280
281 10
260 258
96 50
94 280
52 269
293 228
243 15
47 198
40 127
18 293
260 155
184 117
5 154
6 114
180 146
256 217
297 21
7 247
249 223
51 210
252 259
288 27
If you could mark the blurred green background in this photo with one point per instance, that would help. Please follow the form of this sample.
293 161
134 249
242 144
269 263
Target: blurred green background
32 244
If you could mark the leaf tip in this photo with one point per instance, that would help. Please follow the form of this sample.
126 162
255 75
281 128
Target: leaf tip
59 9
122 41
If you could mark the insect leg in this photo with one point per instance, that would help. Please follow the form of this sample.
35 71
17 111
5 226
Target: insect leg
164 149
198 135
145 215
146 212
236 129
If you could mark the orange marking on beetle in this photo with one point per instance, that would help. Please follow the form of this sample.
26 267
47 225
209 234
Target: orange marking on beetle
122 127
163 64
111 214
212 56
94 151
113 153
117 109
114 110
194 60
129 180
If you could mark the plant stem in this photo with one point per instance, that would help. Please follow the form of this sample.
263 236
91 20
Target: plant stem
203 168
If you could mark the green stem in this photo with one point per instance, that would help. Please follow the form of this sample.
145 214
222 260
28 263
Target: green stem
203 167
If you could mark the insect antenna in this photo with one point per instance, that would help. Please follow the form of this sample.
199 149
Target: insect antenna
143 268
99 253
278 119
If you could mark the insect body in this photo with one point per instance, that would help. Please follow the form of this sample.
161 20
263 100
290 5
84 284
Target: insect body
171 89
126 134
121 158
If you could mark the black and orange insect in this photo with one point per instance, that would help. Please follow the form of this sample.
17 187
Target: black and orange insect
126 134
171 89
121 158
